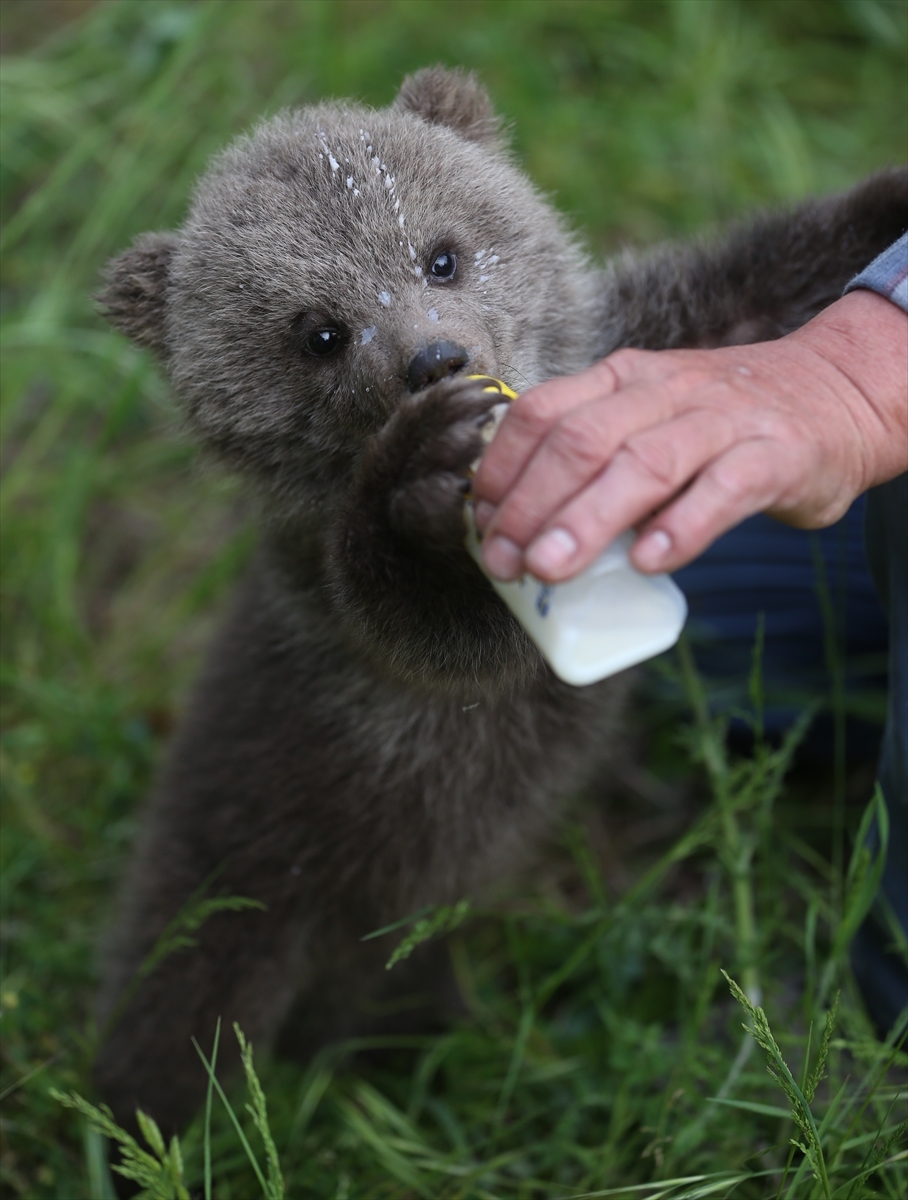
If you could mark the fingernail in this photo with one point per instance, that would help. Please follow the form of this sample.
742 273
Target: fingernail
551 551
652 549
483 512
502 557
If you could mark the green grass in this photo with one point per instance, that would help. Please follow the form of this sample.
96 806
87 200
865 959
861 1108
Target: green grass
600 1030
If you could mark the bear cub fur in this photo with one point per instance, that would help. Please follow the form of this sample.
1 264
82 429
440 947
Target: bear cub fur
373 732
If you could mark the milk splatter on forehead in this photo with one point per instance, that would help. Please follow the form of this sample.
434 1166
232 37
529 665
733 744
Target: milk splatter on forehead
389 181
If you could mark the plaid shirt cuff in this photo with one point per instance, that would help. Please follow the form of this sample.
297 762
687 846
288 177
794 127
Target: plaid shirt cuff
887 275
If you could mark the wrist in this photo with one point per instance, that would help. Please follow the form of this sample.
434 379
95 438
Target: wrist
864 339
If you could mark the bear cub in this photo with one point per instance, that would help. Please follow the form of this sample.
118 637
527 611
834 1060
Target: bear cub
372 731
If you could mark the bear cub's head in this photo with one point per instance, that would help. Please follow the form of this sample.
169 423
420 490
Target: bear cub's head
339 258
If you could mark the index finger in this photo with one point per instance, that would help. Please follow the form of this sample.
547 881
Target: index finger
528 421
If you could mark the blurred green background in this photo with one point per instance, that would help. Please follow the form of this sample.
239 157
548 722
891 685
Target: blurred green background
641 119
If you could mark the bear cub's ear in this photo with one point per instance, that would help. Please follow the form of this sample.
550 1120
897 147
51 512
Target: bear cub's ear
453 98
134 296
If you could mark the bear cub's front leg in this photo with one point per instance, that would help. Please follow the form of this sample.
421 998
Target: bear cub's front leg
416 469
398 565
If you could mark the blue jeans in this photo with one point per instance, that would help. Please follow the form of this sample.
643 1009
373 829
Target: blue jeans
763 566
880 970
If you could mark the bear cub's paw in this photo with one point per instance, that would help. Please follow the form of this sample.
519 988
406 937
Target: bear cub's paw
427 448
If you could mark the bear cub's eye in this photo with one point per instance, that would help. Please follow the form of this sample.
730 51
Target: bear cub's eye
322 342
444 266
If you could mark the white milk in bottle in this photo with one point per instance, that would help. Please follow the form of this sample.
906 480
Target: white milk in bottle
604 620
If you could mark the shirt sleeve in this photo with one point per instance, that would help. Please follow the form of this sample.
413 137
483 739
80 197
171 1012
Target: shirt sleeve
887 275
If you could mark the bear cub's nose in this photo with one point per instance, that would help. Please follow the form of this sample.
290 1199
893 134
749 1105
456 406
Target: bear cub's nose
435 362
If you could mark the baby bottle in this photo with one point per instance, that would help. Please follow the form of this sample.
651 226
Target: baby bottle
605 619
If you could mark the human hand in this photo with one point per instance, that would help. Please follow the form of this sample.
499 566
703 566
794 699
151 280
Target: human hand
684 444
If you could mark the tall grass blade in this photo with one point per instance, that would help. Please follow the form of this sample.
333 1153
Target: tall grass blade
444 919
99 1180
206 1141
258 1110
524 1029
819 1069
160 1174
779 1070
865 871
177 935
244 1141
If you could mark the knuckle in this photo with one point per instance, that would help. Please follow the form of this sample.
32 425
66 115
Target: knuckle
654 458
624 354
625 360
696 381
630 363
533 410
730 481
575 440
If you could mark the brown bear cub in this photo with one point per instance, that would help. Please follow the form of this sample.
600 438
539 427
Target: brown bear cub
373 732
